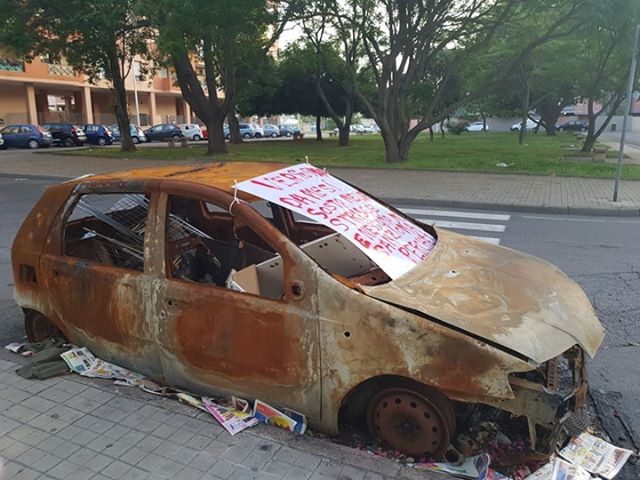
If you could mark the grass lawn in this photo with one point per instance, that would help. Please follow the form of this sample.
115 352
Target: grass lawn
479 152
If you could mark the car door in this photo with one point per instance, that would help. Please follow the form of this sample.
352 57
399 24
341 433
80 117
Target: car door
11 137
98 274
222 336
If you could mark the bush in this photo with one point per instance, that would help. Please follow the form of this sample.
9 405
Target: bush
456 128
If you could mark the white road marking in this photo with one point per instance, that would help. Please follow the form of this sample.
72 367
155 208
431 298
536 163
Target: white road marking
455 214
481 227
495 241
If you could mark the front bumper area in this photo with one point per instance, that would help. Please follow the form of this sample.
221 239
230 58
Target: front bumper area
553 400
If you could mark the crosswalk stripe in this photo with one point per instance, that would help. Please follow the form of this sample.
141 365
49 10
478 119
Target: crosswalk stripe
495 241
481 227
455 214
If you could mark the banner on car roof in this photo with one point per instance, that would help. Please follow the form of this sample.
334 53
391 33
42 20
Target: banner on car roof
394 243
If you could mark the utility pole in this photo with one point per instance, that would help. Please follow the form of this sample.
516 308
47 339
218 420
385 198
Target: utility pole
136 73
632 77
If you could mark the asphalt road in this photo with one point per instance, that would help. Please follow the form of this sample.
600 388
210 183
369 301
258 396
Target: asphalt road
601 253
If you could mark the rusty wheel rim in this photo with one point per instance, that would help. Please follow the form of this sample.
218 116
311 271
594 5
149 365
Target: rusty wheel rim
409 422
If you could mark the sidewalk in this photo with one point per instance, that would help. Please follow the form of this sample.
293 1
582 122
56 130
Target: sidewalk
564 195
75 428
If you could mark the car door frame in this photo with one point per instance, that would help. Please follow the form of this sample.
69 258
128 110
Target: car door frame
130 339
299 385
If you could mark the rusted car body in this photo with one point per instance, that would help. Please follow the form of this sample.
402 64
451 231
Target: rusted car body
475 323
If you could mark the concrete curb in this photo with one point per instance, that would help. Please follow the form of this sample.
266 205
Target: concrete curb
586 211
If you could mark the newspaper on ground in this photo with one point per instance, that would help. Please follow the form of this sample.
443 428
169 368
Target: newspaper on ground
272 416
543 473
82 361
595 455
232 419
191 400
566 471
475 468
14 347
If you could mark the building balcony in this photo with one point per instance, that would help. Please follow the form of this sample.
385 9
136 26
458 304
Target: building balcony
58 70
11 65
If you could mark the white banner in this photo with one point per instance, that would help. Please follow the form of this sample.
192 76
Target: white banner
394 243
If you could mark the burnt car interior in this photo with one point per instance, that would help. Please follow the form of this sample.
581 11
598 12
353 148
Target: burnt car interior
206 244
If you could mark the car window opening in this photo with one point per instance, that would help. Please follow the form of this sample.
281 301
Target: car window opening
206 244
108 229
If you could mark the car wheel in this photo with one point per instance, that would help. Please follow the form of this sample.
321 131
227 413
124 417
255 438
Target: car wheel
258 135
80 144
3 147
274 135
38 327
33 144
176 138
196 138
68 142
426 417
288 134
135 140
246 135
102 141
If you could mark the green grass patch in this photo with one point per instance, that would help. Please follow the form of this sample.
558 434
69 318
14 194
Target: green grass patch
479 152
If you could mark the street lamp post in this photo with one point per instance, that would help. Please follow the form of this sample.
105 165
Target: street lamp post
632 76
136 70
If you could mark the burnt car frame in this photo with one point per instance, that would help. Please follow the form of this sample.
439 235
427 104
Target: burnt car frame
145 283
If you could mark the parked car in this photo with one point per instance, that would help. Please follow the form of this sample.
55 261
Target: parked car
258 132
192 131
137 135
531 124
246 131
476 127
1 142
370 129
574 126
32 136
357 128
288 130
66 134
271 130
319 319
98 134
164 132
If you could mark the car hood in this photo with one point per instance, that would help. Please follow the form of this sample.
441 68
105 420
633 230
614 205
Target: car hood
508 298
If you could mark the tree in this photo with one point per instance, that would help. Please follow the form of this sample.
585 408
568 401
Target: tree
98 38
603 48
413 42
220 36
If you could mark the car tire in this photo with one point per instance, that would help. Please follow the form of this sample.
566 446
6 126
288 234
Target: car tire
426 408
135 140
257 135
68 142
102 141
3 146
33 144
288 134
80 144
38 327
246 135
196 138
274 135
176 138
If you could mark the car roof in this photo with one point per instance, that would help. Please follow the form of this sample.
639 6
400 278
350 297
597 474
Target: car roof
220 175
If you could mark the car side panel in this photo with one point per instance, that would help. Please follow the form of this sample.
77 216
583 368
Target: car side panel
362 338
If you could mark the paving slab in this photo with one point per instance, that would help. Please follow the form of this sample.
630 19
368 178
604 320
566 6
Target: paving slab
184 443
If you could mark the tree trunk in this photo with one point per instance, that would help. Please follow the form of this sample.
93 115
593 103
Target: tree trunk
442 127
234 128
318 128
484 122
592 133
216 143
397 149
120 107
431 134
343 135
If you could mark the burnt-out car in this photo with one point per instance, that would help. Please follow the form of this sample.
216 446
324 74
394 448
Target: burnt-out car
187 276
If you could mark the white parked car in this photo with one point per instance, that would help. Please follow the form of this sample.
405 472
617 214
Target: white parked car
531 124
258 131
476 127
1 141
192 131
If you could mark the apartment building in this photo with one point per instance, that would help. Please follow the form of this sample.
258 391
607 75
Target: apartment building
43 91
